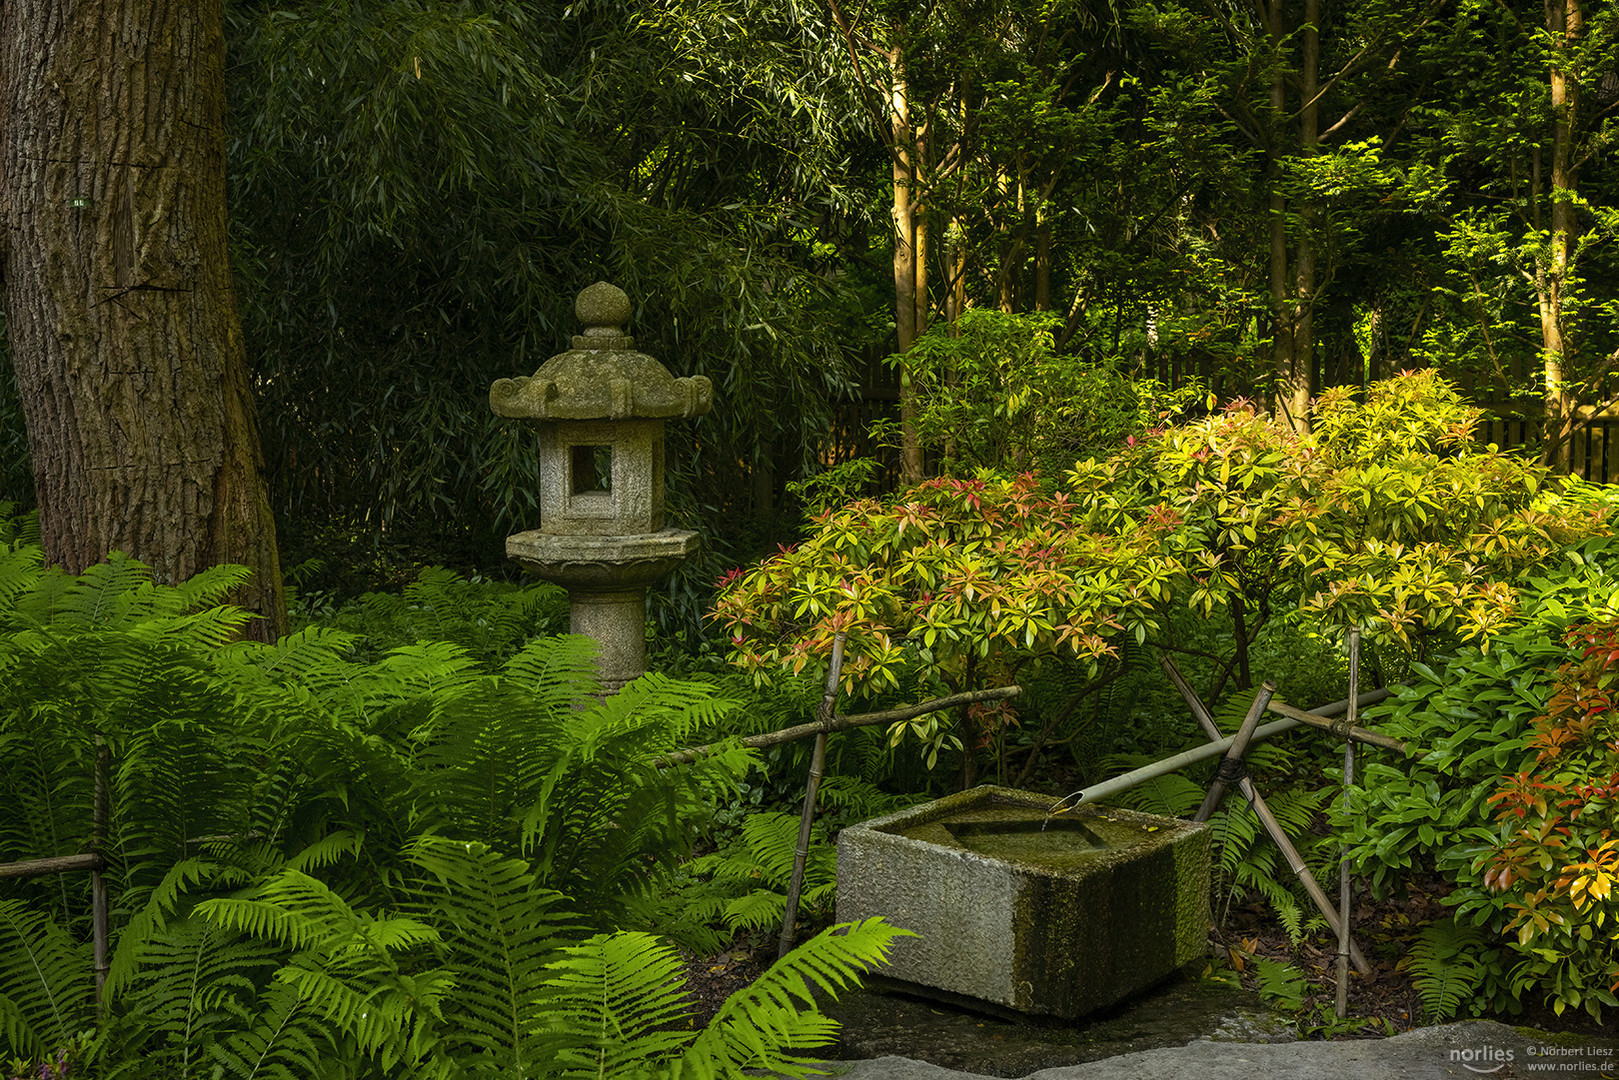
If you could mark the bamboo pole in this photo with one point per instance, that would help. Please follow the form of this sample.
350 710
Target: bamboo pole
1277 834
812 788
1342 1000
98 881
1347 727
843 723
58 864
1137 777
1231 763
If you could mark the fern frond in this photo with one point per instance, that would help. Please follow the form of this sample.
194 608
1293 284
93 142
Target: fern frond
1444 967
614 1002
151 921
303 913
500 930
759 1026
1281 984
345 970
209 588
755 910
380 1011
186 986
44 982
1171 795
284 1042
556 672
21 570
314 657
600 806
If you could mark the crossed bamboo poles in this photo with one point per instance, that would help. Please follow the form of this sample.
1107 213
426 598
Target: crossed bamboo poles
1230 773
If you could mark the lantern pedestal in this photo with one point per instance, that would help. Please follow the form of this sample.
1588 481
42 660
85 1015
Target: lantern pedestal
606 578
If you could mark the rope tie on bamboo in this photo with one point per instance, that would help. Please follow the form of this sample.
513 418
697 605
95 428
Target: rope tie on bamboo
1231 771
1341 727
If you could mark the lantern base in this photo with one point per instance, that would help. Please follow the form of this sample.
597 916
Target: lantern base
606 578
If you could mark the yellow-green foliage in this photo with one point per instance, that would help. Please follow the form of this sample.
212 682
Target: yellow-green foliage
1386 517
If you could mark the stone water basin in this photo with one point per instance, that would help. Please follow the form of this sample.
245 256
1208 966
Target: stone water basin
1059 916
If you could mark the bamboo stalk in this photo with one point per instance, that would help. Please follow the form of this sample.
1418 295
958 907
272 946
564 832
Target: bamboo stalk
1137 777
1341 1002
1234 755
1358 734
812 788
1277 834
58 864
98 881
844 723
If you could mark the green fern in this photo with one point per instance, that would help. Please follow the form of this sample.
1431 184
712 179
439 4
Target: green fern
280 1044
184 988
618 1002
615 1003
1282 985
346 965
760 1026
44 984
499 932
1171 795
750 875
279 911
1445 967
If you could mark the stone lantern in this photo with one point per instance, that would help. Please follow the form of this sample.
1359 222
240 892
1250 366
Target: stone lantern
601 408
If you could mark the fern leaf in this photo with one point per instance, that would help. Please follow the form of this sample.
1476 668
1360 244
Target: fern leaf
44 982
500 931
755 910
1281 984
284 1043
615 1003
188 985
151 921
759 1026
1444 967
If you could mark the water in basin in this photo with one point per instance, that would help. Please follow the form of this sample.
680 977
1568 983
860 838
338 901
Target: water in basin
1022 834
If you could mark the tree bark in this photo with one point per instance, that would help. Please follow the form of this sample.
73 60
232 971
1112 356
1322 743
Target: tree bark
1565 22
1302 383
1281 313
910 256
124 328
1292 295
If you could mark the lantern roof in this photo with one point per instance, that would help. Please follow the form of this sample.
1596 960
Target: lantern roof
602 377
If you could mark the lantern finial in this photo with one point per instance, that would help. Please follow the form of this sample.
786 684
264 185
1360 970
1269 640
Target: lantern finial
604 309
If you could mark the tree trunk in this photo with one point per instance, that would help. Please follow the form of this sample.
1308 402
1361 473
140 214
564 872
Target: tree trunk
1042 264
124 328
1281 310
1565 21
910 258
1292 296
1302 382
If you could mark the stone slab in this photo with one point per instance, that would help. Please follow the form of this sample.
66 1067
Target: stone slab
1470 1049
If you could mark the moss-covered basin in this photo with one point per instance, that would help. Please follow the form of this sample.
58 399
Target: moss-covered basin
1058 917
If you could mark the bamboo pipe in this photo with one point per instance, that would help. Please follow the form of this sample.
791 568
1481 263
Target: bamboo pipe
1137 777
843 723
1357 734
1277 834
99 921
58 864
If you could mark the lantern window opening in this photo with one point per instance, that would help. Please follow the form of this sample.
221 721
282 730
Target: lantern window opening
592 469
